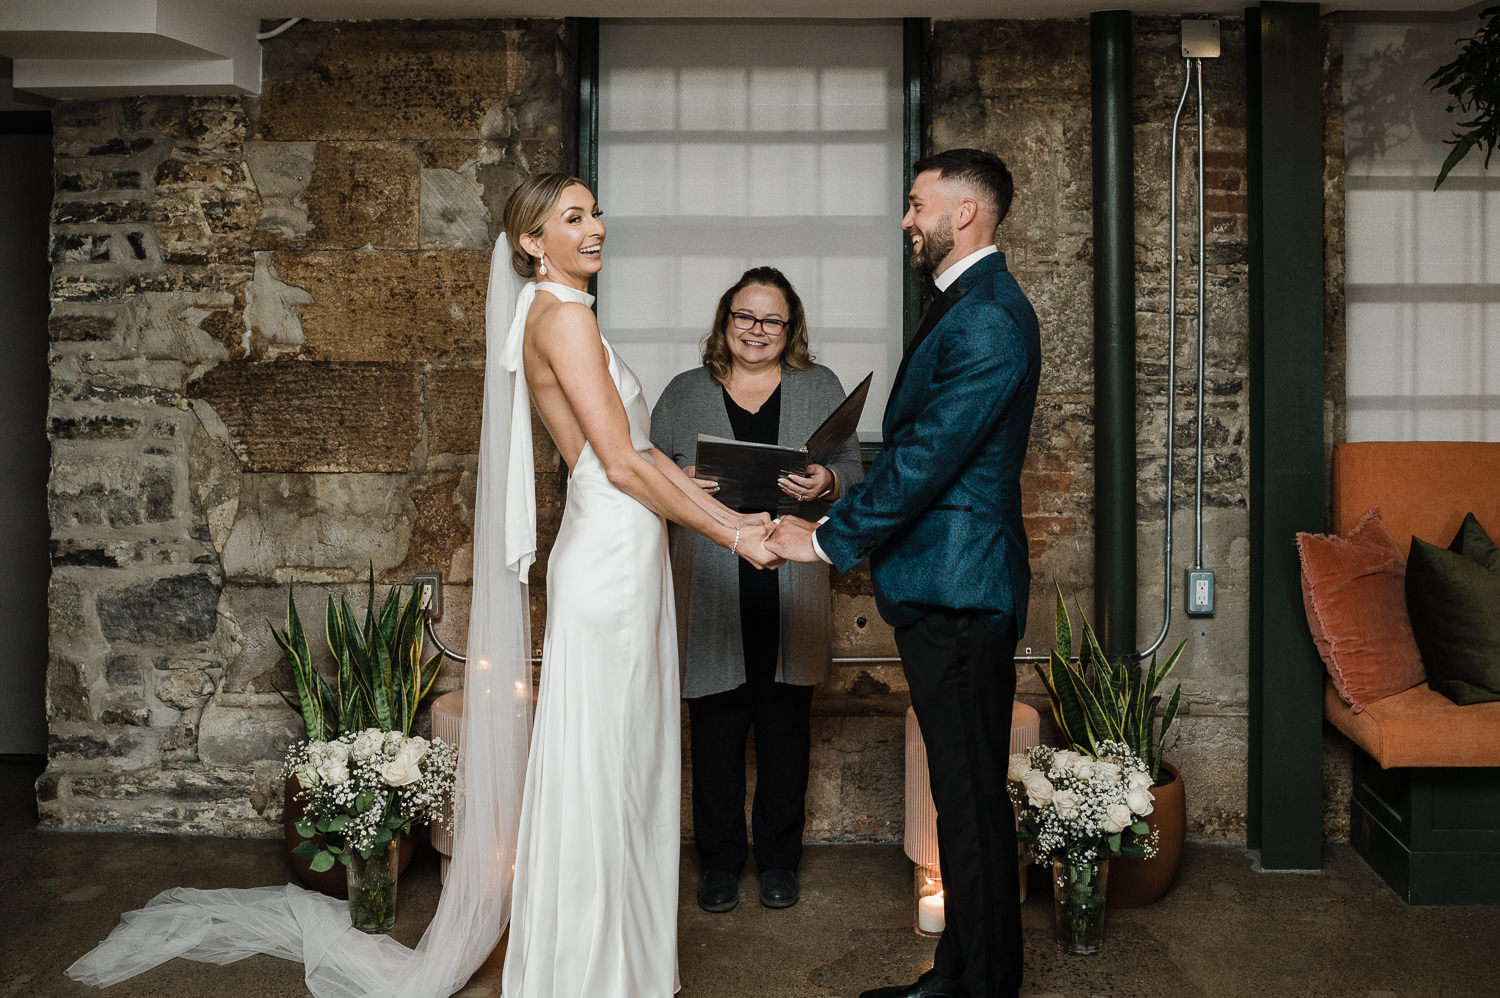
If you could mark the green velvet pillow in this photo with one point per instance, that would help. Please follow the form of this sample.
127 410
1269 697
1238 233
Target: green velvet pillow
1453 598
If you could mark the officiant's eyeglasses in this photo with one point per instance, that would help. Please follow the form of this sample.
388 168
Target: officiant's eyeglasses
744 322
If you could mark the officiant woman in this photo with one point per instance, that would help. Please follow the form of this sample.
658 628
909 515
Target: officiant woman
752 643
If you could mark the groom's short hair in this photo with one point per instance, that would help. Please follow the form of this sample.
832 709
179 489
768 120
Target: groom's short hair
983 172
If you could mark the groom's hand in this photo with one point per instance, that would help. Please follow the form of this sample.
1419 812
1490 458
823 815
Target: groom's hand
793 540
752 546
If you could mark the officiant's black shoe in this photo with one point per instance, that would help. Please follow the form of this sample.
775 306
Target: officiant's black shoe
778 888
718 891
929 985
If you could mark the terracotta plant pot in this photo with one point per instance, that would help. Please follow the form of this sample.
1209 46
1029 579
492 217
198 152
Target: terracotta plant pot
335 881
1137 882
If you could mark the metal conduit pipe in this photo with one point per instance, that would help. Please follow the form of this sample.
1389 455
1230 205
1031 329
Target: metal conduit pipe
1111 38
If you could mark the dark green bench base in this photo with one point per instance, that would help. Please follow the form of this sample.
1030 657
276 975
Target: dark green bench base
1432 834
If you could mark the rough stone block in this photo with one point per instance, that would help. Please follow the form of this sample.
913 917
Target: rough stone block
363 194
73 327
411 79
455 398
442 525
453 213
184 690
67 690
213 475
280 172
177 609
319 527
388 306
108 489
239 736
317 406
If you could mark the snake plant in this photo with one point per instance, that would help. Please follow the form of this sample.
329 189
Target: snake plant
380 676
1096 700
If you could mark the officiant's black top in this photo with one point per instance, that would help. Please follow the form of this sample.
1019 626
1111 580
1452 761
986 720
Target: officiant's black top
760 603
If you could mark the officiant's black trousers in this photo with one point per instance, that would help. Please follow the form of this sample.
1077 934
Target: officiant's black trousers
963 681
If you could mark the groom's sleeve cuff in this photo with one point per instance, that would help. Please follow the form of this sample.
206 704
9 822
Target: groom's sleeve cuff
818 548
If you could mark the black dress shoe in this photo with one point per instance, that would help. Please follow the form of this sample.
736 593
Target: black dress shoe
778 888
929 985
718 891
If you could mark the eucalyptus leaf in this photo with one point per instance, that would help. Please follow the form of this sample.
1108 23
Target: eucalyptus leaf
306 849
322 862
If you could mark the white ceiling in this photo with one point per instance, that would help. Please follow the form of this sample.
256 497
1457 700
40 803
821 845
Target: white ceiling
105 48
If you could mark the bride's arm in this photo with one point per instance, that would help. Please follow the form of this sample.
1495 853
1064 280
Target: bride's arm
575 356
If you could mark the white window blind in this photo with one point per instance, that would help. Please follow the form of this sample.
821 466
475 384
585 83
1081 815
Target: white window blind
724 146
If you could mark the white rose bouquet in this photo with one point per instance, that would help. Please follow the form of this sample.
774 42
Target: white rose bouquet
1078 808
364 788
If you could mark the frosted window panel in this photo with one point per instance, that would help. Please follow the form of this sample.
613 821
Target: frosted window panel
642 180
1377 336
847 100
658 362
1489 357
641 99
785 99
704 279
1374 239
1447 351
1446 238
1445 424
845 180
714 99
778 179
855 292
713 179
643 293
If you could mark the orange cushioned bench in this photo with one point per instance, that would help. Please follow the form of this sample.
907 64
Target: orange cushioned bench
1425 811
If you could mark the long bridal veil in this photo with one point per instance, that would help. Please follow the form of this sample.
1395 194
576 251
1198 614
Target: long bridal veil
221 926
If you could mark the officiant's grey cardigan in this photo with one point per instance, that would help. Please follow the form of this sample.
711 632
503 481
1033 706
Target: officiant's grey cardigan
706 577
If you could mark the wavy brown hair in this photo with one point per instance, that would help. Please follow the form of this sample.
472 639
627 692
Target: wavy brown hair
794 355
527 211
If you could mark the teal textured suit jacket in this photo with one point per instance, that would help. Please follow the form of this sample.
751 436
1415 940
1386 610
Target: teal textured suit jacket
939 514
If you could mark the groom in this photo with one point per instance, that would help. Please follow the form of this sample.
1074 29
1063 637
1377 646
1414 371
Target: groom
939 517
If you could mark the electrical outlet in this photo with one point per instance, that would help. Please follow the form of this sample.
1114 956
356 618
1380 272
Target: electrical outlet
429 589
1200 591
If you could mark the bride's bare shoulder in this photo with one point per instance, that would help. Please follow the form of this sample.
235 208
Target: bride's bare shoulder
561 327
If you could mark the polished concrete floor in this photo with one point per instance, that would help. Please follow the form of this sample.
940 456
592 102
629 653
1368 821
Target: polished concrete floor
1223 930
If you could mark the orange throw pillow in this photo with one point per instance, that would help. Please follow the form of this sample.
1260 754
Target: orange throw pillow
1354 589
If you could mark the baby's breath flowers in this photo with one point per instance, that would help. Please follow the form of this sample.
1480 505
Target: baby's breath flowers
363 788
1078 808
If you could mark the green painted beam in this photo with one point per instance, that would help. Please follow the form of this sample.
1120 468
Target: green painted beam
1284 138
1111 38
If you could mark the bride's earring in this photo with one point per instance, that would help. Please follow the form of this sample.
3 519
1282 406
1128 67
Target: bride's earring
543 259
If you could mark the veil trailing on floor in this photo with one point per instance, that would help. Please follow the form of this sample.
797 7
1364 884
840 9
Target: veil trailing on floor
221 926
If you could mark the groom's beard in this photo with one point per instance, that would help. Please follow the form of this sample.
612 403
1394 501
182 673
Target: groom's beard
936 245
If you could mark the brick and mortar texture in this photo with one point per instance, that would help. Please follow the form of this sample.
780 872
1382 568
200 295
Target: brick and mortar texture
267 348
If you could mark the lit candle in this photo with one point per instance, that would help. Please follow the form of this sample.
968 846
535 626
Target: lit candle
930 913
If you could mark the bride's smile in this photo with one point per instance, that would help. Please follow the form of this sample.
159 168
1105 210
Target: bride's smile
570 248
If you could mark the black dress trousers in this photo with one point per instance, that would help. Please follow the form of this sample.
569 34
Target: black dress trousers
963 681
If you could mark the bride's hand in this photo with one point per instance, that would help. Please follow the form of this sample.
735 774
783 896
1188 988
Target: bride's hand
753 520
752 545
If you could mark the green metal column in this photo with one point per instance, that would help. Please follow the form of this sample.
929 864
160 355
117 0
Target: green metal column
1284 138
1110 37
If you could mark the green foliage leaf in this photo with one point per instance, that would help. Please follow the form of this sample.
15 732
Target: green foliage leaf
322 862
306 849
305 828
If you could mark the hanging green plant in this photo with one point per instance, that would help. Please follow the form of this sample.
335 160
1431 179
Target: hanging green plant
1472 80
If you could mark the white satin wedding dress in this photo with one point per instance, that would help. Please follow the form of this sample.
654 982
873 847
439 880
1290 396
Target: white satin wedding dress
593 852
595 901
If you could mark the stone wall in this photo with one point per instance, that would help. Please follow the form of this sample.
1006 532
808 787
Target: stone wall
267 349
267 346
1021 89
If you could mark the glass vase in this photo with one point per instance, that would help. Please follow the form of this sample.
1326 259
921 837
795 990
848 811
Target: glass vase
372 888
1078 888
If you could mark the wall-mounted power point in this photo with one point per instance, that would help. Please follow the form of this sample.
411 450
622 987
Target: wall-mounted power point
429 590
1200 38
1200 591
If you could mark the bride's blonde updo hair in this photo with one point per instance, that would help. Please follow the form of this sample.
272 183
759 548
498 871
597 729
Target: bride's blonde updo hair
527 211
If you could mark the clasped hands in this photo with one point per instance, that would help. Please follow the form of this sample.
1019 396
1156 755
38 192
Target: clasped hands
767 543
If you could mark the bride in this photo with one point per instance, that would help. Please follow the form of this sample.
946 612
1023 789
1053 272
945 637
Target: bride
595 908
592 842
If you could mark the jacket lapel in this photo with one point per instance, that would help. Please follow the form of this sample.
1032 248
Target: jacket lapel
940 306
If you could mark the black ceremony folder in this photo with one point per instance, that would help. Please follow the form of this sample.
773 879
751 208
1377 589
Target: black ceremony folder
747 472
